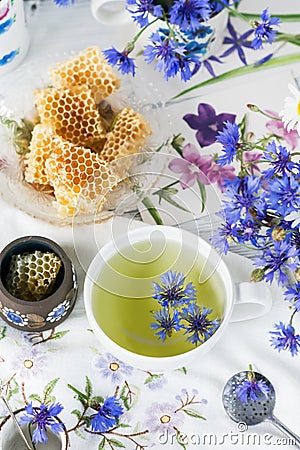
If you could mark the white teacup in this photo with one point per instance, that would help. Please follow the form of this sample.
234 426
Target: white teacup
110 12
119 279
14 37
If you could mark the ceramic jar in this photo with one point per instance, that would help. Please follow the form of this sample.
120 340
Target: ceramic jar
38 315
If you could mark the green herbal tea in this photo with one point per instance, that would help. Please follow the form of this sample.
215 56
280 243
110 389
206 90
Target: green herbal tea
122 295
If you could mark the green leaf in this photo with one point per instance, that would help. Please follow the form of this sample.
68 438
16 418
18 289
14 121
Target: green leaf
243 126
183 370
36 398
179 439
124 425
97 399
153 377
193 413
116 443
245 70
80 395
76 413
102 444
3 332
59 334
203 194
166 194
152 210
49 389
88 387
79 433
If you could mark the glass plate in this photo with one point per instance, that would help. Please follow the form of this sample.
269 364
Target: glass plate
17 102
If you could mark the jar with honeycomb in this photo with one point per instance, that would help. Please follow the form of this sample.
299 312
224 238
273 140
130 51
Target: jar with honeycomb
38 284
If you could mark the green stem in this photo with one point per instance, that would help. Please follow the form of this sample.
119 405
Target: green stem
166 187
292 317
245 70
282 17
152 210
80 394
136 37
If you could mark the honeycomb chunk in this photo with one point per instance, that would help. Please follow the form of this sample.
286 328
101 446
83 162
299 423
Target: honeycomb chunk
72 113
31 276
40 149
87 68
128 134
81 180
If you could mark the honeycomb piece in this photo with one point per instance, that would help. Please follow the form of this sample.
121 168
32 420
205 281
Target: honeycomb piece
72 113
39 152
128 134
87 68
81 180
31 276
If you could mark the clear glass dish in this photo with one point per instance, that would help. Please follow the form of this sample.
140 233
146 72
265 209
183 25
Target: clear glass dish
17 103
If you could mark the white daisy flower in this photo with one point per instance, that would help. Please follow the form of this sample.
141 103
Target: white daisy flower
291 111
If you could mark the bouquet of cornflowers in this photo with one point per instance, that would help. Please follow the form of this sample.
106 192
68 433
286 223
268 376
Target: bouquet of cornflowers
259 180
181 43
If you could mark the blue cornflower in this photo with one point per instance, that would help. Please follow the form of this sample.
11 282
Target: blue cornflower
64 3
237 43
284 256
292 294
172 292
166 323
284 194
43 417
284 338
229 137
279 158
249 231
143 8
252 390
107 415
166 52
125 64
224 234
199 326
188 13
243 197
263 30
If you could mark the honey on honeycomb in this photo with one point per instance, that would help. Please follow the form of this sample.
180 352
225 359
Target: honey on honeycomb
128 134
31 276
72 113
81 180
39 153
87 68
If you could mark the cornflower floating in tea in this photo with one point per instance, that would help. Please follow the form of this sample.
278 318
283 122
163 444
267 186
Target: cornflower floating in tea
179 310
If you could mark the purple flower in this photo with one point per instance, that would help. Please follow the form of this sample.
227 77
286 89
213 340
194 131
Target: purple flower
252 390
43 417
249 158
199 326
284 338
125 64
229 138
166 322
284 256
107 415
207 63
277 128
192 166
263 30
207 123
188 13
142 10
111 368
218 174
237 43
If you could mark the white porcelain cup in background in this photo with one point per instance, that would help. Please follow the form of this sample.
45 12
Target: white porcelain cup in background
14 36
240 302
110 12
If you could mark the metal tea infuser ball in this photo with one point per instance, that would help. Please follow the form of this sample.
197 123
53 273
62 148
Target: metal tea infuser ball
254 411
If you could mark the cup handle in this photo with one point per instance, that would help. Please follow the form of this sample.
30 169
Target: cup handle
253 300
110 12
